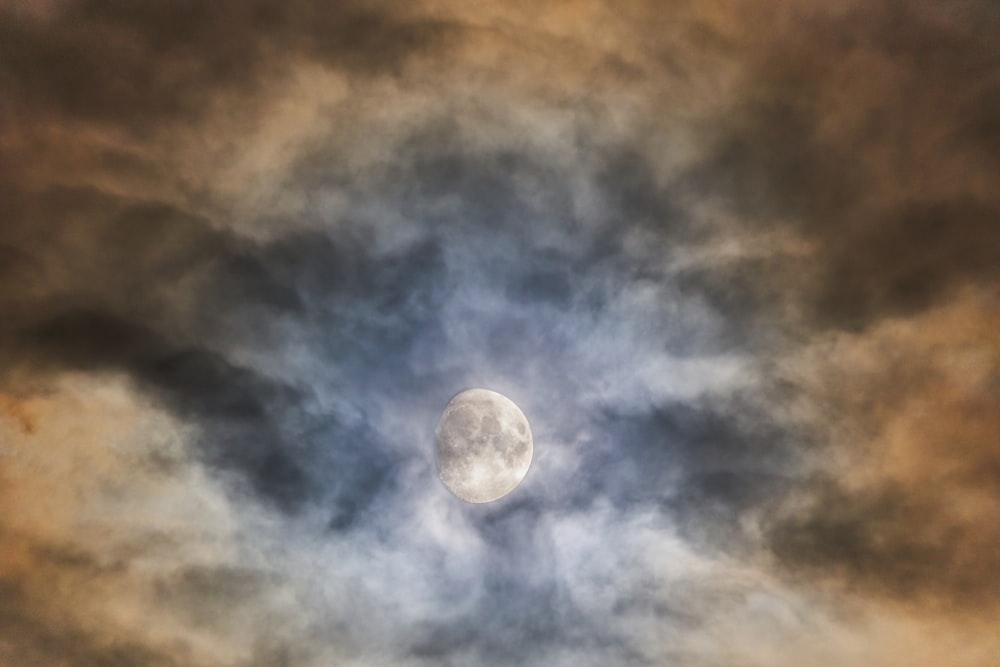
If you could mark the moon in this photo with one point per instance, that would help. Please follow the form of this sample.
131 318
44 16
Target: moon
484 446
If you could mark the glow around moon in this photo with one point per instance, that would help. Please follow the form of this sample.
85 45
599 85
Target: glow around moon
484 446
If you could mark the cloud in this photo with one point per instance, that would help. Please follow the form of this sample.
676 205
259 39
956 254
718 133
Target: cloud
905 514
843 143
113 63
740 286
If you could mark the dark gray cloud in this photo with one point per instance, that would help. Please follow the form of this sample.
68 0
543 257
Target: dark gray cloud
849 142
834 140
167 62
870 539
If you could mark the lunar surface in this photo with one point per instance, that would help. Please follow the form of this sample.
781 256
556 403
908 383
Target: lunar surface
484 446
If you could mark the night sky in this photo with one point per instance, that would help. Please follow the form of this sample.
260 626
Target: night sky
738 262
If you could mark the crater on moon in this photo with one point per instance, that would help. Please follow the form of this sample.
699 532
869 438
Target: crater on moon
484 446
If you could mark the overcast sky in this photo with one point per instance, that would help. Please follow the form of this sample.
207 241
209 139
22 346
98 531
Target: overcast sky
737 262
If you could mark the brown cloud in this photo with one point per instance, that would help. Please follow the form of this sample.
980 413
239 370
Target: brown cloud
910 510
857 131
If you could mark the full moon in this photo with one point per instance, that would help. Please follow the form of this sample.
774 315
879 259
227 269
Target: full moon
484 446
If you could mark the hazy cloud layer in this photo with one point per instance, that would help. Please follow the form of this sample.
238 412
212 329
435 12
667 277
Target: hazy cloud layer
737 263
